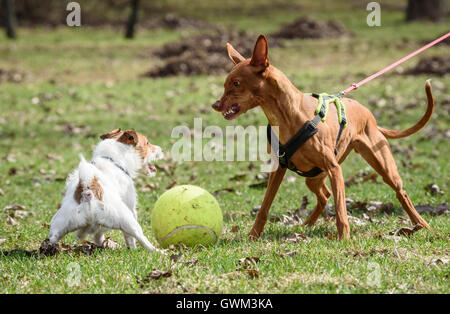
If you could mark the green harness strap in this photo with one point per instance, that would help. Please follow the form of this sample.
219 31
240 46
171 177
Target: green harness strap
309 128
325 100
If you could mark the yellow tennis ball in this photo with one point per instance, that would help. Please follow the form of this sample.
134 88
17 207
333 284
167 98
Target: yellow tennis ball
186 214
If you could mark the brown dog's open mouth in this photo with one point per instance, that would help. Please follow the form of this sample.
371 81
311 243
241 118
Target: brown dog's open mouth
231 112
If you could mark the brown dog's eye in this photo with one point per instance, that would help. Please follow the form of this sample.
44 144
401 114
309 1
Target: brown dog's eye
236 83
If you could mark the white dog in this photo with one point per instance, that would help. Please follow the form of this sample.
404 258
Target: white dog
100 194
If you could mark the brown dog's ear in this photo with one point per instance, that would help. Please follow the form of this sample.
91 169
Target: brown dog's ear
235 56
260 57
111 134
129 137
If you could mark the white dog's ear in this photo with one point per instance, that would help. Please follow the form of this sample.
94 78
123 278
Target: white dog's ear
129 137
112 134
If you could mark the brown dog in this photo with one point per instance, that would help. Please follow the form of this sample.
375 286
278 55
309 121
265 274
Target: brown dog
254 82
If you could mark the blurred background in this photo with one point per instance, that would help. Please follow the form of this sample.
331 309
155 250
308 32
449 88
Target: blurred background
194 30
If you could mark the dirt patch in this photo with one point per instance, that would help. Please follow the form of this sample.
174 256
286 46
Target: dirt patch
196 62
441 209
174 22
12 76
445 42
204 54
309 28
437 65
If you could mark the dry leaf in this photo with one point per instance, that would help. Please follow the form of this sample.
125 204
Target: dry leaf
156 274
2 240
20 214
52 156
215 193
246 262
406 231
109 243
1 192
13 207
288 221
10 220
71 130
295 238
438 261
356 221
235 229
87 248
167 168
252 273
175 257
371 177
274 218
171 185
148 187
361 176
65 247
238 177
288 254
434 189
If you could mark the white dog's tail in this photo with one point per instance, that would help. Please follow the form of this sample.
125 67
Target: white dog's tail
89 186
86 171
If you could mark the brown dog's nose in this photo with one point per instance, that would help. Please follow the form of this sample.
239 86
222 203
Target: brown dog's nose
217 105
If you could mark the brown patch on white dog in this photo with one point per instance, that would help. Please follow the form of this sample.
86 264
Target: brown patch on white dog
112 134
86 193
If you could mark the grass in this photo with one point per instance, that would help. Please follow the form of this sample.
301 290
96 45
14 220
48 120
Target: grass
89 77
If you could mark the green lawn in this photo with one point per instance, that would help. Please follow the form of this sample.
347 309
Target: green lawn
85 81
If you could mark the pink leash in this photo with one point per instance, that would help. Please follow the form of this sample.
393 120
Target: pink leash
368 79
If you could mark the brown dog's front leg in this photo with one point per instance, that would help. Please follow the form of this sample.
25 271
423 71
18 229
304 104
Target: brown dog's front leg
275 179
337 183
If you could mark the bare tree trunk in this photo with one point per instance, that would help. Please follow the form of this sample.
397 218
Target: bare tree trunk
433 10
9 18
132 19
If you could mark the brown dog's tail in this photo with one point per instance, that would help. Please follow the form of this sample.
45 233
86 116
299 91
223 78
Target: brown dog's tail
416 127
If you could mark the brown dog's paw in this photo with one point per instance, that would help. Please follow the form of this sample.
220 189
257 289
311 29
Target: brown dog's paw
254 235
343 236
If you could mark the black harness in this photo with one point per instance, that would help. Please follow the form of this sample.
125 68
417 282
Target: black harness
115 164
285 151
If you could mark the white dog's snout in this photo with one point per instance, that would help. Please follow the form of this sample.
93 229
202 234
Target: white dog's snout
158 153
87 195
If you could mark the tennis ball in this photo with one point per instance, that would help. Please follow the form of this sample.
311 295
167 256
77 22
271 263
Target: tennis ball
186 214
